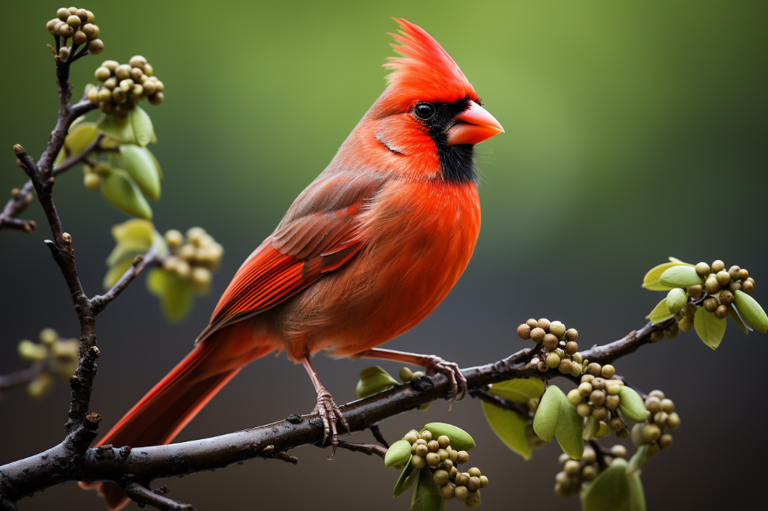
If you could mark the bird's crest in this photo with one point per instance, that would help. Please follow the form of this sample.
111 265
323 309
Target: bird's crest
425 72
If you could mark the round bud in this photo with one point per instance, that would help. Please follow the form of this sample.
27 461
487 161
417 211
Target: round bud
598 384
619 451
602 432
607 371
406 375
747 287
426 435
52 24
585 389
673 331
718 266
571 347
432 459
622 434
710 304
594 369
94 34
575 369
665 441
453 455
575 397
653 404
123 71
576 357
584 410
446 465
597 397
443 455
156 98
557 328
563 458
571 334
418 461
93 95
421 441
553 360
613 387
159 84
685 324
616 424
138 61
542 367
82 14
72 10
743 274
589 473
523 331
657 336
441 477
673 421
462 457
110 64
462 479
474 484
572 467
689 310
544 323
149 89
91 18
483 481
63 14
660 418
95 47
74 21
201 278
565 366
474 472
443 441
421 450
612 402
66 31
126 84
550 342
726 297
734 286
538 334
446 491
637 435
105 95
119 96
695 291
411 438
733 271
89 31
102 74
92 181
600 413
652 450
722 311
532 323
136 74
433 446
723 278
651 432
711 285
702 269
587 378
657 393
461 493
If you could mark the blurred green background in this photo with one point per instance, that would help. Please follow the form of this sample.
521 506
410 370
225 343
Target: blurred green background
634 131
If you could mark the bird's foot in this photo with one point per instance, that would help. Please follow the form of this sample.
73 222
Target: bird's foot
435 364
331 416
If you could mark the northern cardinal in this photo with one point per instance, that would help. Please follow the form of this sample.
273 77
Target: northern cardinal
365 253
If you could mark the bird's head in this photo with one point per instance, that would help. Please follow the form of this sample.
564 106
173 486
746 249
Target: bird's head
428 119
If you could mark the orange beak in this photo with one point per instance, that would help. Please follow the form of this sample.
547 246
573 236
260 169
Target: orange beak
473 126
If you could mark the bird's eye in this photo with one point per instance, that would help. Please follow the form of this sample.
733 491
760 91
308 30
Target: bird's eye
424 111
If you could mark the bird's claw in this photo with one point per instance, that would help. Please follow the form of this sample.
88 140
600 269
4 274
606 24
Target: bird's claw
331 416
451 370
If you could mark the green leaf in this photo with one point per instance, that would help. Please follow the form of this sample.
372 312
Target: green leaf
733 313
651 279
709 327
398 455
426 497
591 428
659 313
751 311
637 460
509 427
139 164
80 137
557 417
631 405
156 281
123 194
142 126
115 272
118 127
408 476
372 381
609 491
125 251
177 297
681 276
460 439
636 493
134 230
157 163
519 390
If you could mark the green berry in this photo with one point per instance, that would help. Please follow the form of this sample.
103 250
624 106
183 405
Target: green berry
557 328
405 374
95 47
553 360
717 266
651 432
575 397
702 269
584 410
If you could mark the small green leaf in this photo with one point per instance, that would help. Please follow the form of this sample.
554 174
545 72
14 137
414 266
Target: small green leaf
372 381
141 167
408 476
156 281
651 279
398 455
681 276
636 493
659 313
548 413
557 417
519 390
609 491
123 251
123 194
115 272
134 230
118 127
177 297
631 405
709 327
80 137
509 427
460 439
426 497
751 311
142 126
637 460
591 428
157 163
733 313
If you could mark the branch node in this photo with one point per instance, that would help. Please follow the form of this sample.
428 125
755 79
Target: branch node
294 418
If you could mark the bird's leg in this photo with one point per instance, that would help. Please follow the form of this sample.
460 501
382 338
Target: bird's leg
326 408
431 363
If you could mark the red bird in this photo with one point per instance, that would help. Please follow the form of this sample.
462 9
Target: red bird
366 252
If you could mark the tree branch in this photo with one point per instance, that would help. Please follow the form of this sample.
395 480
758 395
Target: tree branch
19 378
144 496
100 302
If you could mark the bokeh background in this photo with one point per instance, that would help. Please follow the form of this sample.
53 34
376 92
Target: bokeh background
634 131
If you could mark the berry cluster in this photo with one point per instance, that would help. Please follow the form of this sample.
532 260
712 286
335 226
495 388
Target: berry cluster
441 459
77 24
53 355
598 396
193 258
125 85
576 474
560 343
662 419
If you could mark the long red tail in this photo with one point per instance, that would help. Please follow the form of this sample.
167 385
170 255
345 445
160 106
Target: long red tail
172 403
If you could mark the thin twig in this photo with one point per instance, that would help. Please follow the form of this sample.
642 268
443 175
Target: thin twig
144 496
484 395
369 449
19 378
99 302
378 436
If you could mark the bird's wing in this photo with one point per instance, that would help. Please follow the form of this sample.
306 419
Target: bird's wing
319 234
